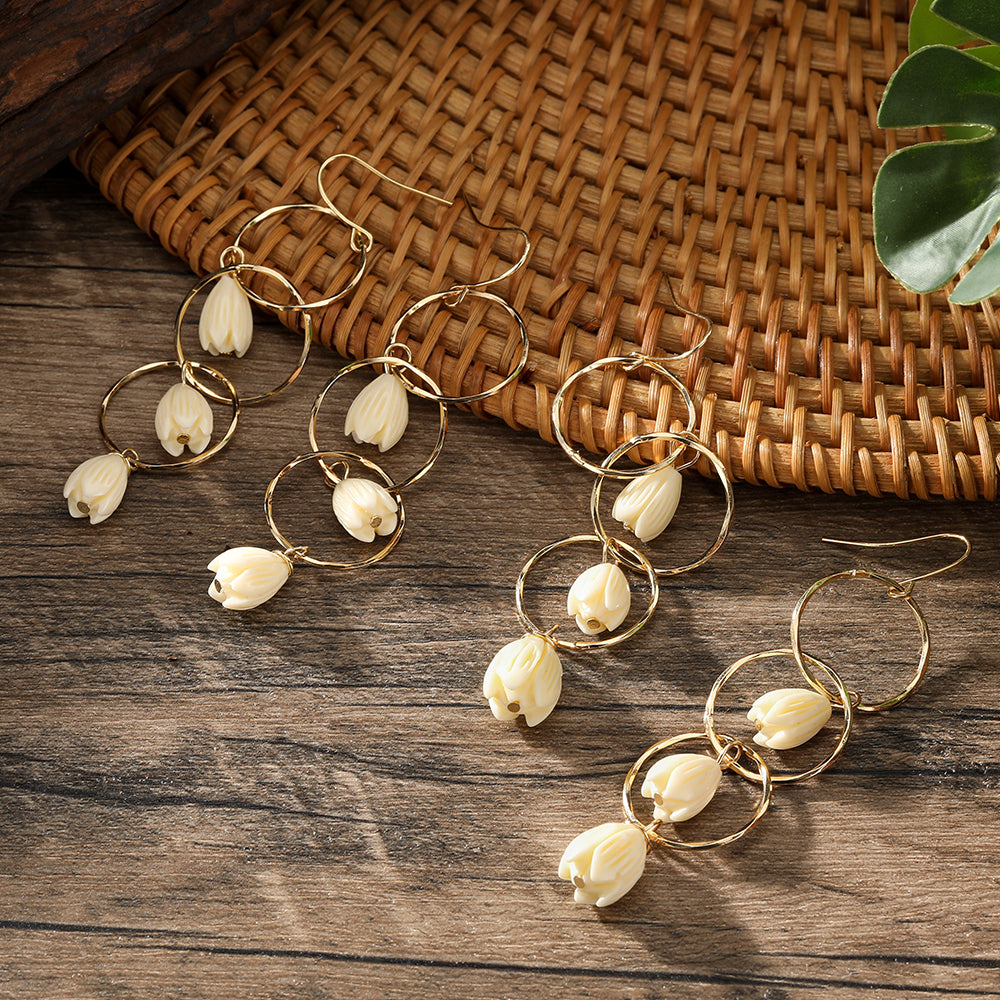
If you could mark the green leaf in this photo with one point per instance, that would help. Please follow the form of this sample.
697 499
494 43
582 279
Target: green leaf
982 281
981 18
928 28
935 203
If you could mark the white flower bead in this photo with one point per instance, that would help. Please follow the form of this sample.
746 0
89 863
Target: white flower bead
364 508
604 862
681 785
524 678
647 505
789 717
379 413
183 417
246 576
599 599
226 322
95 488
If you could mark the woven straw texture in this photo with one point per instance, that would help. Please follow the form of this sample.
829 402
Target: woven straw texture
728 145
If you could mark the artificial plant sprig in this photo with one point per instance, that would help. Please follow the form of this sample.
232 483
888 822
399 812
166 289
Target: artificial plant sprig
934 204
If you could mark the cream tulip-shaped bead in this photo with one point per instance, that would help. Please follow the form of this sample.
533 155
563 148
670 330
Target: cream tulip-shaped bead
183 417
599 599
246 576
789 717
364 508
647 505
524 678
681 785
95 488
603 863
226 322
379 413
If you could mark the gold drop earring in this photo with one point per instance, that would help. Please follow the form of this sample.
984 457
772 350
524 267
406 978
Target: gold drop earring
525 677
184 419
605 862
367 501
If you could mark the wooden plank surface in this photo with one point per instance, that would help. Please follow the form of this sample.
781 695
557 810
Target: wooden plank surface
66 66
311 800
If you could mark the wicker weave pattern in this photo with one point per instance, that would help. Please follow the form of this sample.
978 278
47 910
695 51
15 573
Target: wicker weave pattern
729 145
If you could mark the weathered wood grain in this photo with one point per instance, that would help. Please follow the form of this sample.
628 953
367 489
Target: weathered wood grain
66 66
310 800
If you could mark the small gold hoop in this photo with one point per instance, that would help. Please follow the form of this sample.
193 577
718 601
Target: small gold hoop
689 442
895 590
719 741
302 305
302 550
234 270
464 291
388 363
186 369
613 640
630 362
763 778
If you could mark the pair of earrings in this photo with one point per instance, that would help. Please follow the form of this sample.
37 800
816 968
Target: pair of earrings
367 501
525 677
605 862
184 419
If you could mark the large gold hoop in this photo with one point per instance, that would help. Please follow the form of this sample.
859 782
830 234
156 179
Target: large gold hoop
611 640
388 362
895 590
629 362
727 761
236 250
689 442
452 297
300 553
718 742
187 368
234 270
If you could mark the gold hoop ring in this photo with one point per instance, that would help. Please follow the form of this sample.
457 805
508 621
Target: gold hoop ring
301 553
234 270
186 369
895 590
630 362
763 779
387 362
284 307
613 640
718 741
689 442
462 293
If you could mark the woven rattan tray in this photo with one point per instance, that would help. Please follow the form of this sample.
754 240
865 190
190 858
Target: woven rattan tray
729 146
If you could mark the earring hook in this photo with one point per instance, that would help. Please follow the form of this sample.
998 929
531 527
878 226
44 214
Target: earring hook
460 291
907 584
358 232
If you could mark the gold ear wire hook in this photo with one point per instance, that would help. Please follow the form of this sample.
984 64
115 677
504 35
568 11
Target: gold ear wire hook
709 327
357 230
908 584
460 290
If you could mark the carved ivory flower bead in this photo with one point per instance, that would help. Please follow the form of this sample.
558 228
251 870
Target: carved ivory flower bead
246 576
226 323
95 488
789 717
524 678
364 508
603 863
681 785
599 599
647 505
183 417
379 413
